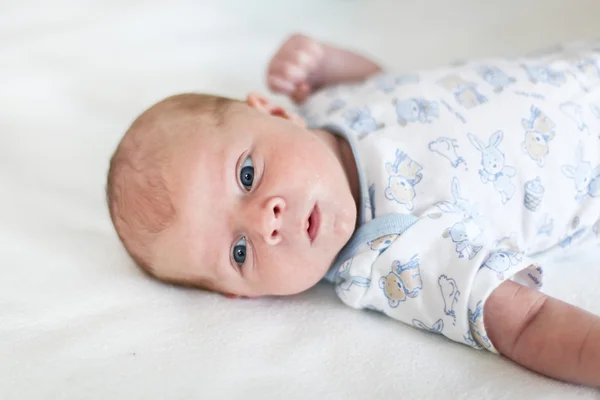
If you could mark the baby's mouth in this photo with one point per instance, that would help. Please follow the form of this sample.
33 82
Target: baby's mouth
313 224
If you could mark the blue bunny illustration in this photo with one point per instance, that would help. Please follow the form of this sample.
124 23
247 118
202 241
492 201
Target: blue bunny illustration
404 281
586 178
416 110
446 147
460 204
494 167
361 120
347 280
501 261
464 234
437 327
450 294
541 74
495 77
467 233
404 174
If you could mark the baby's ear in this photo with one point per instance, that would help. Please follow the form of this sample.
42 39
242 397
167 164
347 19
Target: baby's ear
260 103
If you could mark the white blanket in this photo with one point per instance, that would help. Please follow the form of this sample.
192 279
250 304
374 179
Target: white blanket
79 321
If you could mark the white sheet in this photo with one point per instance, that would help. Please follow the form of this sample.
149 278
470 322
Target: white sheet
79 321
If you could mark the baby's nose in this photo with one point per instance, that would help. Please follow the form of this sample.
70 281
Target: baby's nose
270 220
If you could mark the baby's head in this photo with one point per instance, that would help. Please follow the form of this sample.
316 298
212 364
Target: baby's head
230 196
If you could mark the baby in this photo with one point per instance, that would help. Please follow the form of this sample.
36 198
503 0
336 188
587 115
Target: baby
422 196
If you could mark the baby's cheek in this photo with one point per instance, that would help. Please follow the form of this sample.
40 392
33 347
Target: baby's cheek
295 275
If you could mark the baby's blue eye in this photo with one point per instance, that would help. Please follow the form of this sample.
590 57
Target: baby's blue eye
247 173
239 252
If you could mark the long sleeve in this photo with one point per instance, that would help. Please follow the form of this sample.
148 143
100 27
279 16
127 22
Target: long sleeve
435 275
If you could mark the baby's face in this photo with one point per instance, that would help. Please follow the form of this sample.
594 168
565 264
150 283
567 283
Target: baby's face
264 205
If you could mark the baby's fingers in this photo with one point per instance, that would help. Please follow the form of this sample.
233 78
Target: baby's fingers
280 85
284 76
290 71
308 58
301 93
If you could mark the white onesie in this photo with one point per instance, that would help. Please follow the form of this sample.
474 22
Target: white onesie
465 173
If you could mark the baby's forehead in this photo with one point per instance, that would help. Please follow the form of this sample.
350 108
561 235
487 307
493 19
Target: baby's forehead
210 129
214 144
199 192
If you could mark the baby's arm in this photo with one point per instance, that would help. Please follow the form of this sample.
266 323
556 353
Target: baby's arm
544 334
303 65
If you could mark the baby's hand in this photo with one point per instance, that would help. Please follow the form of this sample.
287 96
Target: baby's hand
295 68
544 334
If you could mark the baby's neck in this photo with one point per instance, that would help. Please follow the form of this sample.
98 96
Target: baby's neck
343 152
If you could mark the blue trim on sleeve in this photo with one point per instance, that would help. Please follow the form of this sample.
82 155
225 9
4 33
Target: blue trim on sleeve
329 277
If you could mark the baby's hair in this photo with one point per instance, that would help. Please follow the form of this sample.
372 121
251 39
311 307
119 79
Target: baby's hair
138 184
